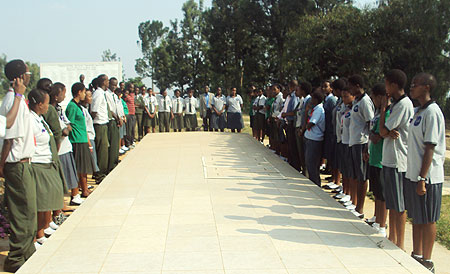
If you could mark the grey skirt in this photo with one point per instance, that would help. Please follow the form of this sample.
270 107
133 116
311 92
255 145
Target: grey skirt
346 165
423 209
94 154
191 121
147 121
83 158
392 184
234 120
218 121
50 186
177 122
70 170
360 167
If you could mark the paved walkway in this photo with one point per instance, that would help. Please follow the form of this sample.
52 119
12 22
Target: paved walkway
213 203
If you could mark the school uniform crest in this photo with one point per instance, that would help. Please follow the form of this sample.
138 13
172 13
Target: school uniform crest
356 108
347 114
417 121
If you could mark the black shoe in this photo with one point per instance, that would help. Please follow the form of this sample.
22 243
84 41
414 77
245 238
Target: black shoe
417 257
428 264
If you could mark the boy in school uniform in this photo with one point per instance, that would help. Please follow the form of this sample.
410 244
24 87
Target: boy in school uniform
394 130
205 108
218 105
305 89
165 111
276 108
190 106
329 140
151 103
362 113
15 167
131 117
139 102
113 125
177 107
258 108
425 171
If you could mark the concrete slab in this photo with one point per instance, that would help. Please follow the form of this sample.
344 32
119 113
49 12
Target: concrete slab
160 211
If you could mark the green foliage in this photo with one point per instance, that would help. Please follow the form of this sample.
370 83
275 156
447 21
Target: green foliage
136 81
108 56
443 225
4 82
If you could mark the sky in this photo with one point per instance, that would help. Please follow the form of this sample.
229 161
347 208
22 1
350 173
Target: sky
54 31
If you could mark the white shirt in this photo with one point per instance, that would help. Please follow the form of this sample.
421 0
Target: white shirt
89 123
21 132
151 103
99 106
340 110
168 103
191 104
42 153
2 126
345 125
298 113
260 101
219 102
363 111
234 104
316 132
177 105
426 126
277 105
120 110
65 146
110 98
395 150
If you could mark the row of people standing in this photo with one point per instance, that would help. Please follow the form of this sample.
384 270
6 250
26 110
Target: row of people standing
379 138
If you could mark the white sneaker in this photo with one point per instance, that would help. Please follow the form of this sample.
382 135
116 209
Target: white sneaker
340 196
49 231
37 245
53 225
76 200
41 241
356 213
382 232
328 185
371 220
351 207
121 151
125 148
344 199
334 186
347 203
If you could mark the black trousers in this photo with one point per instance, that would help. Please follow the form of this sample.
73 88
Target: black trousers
131 129
294 159
207 121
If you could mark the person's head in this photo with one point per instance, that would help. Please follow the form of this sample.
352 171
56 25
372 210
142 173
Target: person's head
276 88
356 84
38 101
347 96
136 90
233 92
94 84
82 78
164 92
269 92
292 85
326 88
317 97
190 93
423 85
337 86
206 89
102 81
58 93
150 91
377 94
219 91
143 90
78 92
306 88
130 87
122 85
44 84
395 81
17 69
113 84
177 93
260 91
88 98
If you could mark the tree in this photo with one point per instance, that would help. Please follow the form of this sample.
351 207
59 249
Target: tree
4 82
108 56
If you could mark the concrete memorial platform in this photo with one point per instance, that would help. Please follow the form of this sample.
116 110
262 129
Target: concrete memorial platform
213 203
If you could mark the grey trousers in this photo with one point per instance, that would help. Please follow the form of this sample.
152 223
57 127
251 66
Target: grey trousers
313 155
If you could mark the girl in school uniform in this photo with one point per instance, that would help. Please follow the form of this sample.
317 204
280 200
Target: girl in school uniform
425 171
79 138
149 119
47 171
123 128
234 111
90 126
218 104
190 107
177 107
57 95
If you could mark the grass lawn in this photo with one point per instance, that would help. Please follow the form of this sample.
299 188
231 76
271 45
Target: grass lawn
447 167
443 225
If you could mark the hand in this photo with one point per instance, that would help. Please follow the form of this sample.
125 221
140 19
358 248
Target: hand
1 172
394 134
283 115
384 102
172 116
18 86
365 156
421 189
375 138
91 149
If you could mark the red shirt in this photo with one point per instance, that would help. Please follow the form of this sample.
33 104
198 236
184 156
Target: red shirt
130 103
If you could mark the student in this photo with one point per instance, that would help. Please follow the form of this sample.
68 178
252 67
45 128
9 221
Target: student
288 114
15 167
121 118
125 122
177 106
268 113
191 105
51 116
394 130
47 172
149 119
259 118
90 126
329 139
101 114
350 193
375 155
252 97
113 125
362 114
304 90
314 134
425 171
218 104
131 117
205 108
234 111
164 111
276 108
79 138
139 103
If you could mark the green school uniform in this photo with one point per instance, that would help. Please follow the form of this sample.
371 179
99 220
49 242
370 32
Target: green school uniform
52 119
269 102
376 150
125 107
78 122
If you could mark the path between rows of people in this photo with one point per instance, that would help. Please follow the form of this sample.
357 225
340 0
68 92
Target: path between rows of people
213 203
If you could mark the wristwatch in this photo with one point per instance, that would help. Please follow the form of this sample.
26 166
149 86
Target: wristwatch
420 178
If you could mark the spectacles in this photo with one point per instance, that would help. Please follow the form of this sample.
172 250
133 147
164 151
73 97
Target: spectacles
28 73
